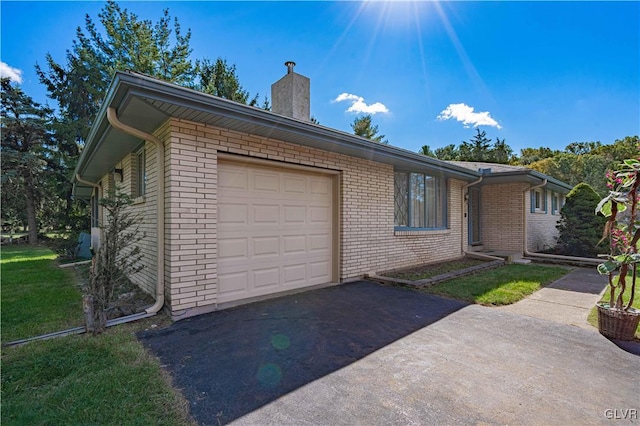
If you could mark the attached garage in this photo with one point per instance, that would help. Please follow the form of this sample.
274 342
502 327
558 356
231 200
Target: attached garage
276 229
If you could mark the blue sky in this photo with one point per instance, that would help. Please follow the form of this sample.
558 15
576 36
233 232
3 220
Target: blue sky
533 73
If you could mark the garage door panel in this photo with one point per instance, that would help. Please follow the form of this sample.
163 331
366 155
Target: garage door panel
320 215
232 213
265 247
233 248
233 180
319 242
266 182
265 213
320 188
294 214
236 283
274 230
294 244
295 274
320 269
294 185
266 278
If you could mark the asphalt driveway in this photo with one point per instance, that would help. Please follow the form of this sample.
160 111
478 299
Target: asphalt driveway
363 353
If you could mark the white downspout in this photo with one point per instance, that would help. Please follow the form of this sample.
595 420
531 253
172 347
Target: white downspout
525 235
465 195
94 243
113 120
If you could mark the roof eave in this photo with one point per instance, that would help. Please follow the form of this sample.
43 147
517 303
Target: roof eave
126 85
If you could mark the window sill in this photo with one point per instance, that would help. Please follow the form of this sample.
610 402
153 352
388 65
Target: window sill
420 231
139 200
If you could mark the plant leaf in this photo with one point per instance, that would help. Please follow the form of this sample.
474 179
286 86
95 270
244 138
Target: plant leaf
607 267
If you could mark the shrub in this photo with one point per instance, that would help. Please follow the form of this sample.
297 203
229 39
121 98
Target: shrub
117 257
581 230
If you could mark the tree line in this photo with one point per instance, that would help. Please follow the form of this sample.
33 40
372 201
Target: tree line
578 162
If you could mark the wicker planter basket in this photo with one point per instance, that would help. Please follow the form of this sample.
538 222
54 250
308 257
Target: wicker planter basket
616 324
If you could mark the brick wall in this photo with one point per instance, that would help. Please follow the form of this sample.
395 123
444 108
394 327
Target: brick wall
501 219
501 216
368 242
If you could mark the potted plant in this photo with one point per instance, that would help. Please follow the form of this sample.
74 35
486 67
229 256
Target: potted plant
617 319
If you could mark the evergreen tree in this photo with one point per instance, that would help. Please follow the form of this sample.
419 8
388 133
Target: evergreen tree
221 79
26 149
426 150
477 149
448 153
501 152
580 230
362 126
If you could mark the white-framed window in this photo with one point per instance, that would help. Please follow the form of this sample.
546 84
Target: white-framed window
556 200
140 172
420 201
539 201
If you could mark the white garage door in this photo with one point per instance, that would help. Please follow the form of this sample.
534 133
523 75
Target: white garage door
275 230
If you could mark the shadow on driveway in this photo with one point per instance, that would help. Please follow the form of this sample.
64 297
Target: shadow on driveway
231 362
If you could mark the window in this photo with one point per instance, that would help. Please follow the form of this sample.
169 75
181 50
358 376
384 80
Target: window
141 173
419 201
555 203
539 201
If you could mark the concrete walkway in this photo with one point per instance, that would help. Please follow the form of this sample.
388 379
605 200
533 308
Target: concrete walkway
567 301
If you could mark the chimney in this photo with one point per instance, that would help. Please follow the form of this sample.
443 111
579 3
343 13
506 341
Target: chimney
290 95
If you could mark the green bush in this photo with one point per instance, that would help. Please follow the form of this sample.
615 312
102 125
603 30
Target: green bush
580 229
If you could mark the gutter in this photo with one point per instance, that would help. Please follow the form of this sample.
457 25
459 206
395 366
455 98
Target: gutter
160 201
544 255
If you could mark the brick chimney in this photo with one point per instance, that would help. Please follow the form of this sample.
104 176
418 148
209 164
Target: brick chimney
290 95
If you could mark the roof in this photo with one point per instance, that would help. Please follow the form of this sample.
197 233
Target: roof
504 173
145 103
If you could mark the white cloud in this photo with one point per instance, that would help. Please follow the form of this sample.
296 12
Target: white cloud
359 106
467 116
14 74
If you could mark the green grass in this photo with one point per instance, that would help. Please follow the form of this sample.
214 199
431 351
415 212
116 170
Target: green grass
593 315
82 380
37 296
79 379
501 286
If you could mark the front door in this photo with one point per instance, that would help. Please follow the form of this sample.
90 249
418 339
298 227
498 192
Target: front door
474 217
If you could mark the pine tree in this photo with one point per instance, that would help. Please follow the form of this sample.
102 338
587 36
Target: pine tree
362 126
26 149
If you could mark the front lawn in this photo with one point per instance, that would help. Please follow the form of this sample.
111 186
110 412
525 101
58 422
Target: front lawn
502 286
78 379
37 296
83 380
